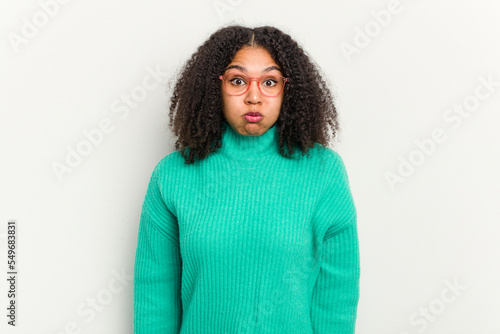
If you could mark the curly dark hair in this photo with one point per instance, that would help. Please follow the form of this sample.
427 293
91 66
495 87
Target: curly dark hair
196 117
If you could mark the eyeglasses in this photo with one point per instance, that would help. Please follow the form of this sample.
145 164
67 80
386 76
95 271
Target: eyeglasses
238 84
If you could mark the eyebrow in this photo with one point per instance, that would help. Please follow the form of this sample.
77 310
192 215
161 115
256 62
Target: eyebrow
241 68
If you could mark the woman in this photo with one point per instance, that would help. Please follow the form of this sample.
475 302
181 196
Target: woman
250 225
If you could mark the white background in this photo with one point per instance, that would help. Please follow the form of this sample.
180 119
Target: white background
76 233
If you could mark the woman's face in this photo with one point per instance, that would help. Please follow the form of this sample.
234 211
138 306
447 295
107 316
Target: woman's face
253 62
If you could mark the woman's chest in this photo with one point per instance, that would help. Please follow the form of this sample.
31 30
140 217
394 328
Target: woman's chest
247 211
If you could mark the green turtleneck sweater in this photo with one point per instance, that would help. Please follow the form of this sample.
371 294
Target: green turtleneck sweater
247 241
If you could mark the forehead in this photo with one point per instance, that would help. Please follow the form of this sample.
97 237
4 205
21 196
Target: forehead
253 59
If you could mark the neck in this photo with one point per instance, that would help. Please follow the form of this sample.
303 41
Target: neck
238 146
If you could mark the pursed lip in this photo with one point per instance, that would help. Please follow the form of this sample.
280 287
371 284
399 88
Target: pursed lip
253 113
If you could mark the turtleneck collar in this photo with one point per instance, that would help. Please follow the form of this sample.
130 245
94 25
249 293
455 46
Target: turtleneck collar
237 146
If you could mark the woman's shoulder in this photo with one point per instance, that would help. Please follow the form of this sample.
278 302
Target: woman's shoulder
326 156
169 163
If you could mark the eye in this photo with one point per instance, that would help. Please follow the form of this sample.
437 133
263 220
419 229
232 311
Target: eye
237 81
269 82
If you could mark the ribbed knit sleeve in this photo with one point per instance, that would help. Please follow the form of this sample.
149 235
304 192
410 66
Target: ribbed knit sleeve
336 292
157 268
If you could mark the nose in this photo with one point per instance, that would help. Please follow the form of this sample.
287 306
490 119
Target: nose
253 94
